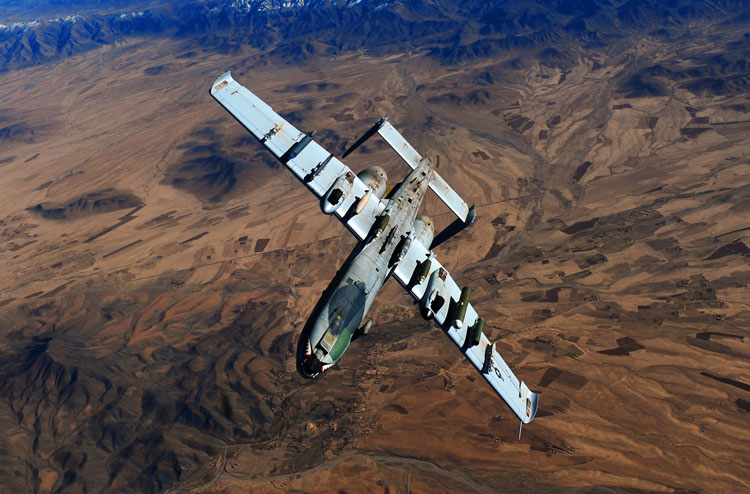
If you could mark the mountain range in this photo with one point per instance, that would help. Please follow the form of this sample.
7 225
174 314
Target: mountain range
449 30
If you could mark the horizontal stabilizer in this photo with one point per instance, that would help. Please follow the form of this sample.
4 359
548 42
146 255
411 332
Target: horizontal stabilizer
399 144
439 186
451 199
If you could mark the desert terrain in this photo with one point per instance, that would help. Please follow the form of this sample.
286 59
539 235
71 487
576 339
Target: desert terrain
158 267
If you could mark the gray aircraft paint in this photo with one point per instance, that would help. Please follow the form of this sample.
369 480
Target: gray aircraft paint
373 260
370 268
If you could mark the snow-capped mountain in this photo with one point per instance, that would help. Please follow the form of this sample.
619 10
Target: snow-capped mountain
450 30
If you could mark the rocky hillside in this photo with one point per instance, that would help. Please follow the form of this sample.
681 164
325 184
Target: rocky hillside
159 264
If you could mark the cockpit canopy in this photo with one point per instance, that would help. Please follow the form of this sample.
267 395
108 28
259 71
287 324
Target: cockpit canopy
346 308
345 311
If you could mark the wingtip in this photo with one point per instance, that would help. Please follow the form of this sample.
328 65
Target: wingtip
533 406
221 81
471 216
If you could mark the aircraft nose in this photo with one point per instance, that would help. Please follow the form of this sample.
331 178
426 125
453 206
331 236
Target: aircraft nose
313 365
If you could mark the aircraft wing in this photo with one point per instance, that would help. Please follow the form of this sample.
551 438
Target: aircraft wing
298 151
487 361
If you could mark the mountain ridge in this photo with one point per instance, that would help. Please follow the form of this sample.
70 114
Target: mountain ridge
451 31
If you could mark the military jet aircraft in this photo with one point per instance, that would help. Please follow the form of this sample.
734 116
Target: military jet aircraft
394 240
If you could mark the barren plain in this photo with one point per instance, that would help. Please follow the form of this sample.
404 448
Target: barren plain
158 266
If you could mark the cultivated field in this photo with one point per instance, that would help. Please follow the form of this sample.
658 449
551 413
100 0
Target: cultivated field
159 266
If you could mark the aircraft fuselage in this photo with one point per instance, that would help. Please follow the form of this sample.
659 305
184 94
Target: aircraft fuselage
340 311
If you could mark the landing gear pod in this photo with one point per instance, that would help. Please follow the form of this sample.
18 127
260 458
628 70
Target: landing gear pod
489 351
472 216
433 300
337 194
366 328
474 333
363 330
463 304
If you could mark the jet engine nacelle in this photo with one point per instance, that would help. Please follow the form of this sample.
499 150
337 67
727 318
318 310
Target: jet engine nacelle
424 230
337 194
375 179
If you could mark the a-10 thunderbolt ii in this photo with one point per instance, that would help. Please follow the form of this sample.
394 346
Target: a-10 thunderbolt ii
393 241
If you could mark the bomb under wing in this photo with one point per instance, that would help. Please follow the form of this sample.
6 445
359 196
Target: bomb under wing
394 241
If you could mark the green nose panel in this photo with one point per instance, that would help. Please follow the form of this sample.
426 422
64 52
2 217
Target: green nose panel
342 343
345 313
